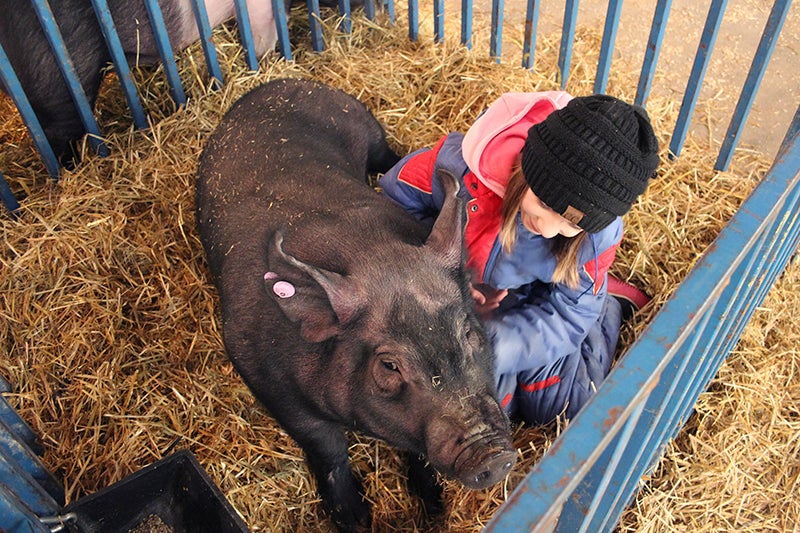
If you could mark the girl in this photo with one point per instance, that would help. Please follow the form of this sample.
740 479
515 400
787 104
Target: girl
545 178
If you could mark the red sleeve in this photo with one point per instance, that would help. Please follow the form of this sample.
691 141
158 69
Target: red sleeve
597 269
418 171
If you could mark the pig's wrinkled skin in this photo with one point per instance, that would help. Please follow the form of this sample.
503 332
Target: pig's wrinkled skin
34 64
340 311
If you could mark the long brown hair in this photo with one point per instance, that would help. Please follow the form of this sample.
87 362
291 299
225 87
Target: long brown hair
565 249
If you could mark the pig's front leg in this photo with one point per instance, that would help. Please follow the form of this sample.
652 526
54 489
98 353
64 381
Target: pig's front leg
325 446
423 481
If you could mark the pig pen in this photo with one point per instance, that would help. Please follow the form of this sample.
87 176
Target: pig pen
109 325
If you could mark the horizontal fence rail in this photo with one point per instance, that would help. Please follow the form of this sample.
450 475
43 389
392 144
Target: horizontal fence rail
590 474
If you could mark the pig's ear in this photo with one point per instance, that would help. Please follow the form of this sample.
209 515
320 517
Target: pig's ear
322 302
447 237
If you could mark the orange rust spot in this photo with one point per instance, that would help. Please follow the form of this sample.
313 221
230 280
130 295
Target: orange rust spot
613 415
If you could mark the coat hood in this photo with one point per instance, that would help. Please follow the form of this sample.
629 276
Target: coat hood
491 146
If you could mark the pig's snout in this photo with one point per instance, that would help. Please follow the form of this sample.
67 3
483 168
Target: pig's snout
484 463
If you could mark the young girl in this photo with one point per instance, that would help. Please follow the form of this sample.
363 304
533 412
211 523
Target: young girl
546 178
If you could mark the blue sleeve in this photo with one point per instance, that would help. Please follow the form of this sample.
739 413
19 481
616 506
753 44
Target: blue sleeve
417 201
547 324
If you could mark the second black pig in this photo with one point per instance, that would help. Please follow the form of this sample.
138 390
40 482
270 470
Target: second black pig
340 311
35 65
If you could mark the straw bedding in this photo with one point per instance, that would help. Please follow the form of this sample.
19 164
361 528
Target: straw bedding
110 335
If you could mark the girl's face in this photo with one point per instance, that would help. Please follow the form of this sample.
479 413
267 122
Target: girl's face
541 220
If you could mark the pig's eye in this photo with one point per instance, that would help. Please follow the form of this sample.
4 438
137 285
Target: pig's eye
388 378
390 365
473 339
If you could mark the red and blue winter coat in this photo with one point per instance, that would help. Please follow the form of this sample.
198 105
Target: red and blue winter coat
540 322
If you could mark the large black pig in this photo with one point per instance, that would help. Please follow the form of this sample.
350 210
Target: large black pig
341 311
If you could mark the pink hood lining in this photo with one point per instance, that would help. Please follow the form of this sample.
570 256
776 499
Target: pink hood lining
493 143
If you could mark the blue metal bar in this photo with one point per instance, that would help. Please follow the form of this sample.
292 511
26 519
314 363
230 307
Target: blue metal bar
15 517
765 48
626 479
438 21
413 20
791 132
697 75
27 489
14 450
120 63
652 51
246 33
607 45
8 198
207 42
496 42
17 94
772 259
279 12
165 51
369 9
567 37
538 499
82 104
315 23
701 374
347 20
663 413
390 8
17 425
529 41
466 23
694 378
579 510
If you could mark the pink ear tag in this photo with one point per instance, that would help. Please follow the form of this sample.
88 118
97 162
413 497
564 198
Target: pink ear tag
270 275
283 289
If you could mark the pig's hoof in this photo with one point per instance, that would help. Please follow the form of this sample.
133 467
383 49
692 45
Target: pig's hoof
423 482
352 516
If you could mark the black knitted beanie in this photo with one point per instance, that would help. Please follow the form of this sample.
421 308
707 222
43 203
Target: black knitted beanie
591 159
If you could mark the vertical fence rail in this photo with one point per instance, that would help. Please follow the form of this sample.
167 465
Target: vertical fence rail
246 34
120 63
82 103
529 39
11 82
466 23
607 45
653 49
165 51
496 40
765 47
697 75
206 43
567 38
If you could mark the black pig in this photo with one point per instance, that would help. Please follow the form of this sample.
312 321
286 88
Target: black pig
341 311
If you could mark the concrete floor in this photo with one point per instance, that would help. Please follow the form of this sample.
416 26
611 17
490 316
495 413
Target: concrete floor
740 32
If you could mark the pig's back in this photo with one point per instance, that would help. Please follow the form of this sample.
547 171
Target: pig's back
293 155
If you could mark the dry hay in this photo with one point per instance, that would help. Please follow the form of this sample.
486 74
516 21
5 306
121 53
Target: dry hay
111 339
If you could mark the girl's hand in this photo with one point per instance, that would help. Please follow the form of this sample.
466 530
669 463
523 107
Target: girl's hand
486 298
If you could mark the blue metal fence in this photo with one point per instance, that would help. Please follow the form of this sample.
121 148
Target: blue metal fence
590 474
